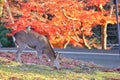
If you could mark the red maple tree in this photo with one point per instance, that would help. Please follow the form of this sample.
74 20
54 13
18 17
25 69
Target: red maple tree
63 21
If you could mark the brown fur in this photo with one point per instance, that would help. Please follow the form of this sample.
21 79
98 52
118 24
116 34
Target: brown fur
36 41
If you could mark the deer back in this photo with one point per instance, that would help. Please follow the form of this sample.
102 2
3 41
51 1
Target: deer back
33 40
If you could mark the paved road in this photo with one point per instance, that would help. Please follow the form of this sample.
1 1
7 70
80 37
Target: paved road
110 61
109 58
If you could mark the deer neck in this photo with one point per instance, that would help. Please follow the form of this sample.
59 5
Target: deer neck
50 51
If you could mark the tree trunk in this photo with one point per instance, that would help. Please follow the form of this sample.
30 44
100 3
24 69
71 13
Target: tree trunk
104 32
1 7
85 42
104 36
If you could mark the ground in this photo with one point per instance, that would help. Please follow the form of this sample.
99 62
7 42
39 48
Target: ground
32 68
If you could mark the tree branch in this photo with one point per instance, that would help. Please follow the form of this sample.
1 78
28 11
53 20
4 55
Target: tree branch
68 16
85 42
10 14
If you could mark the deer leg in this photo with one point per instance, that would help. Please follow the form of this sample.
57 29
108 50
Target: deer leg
18 55
19 52
39 53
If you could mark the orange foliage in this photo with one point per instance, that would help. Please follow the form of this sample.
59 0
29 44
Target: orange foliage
61 20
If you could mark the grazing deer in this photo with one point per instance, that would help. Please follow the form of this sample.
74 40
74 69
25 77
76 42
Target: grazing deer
35 41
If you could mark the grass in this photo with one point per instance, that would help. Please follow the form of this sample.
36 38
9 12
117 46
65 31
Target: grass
10 70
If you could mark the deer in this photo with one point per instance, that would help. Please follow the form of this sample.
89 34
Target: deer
38 42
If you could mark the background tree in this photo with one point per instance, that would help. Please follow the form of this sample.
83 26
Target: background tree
5 40
1 7
63 21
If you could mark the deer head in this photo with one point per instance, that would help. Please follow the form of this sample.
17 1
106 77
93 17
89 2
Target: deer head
57 61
